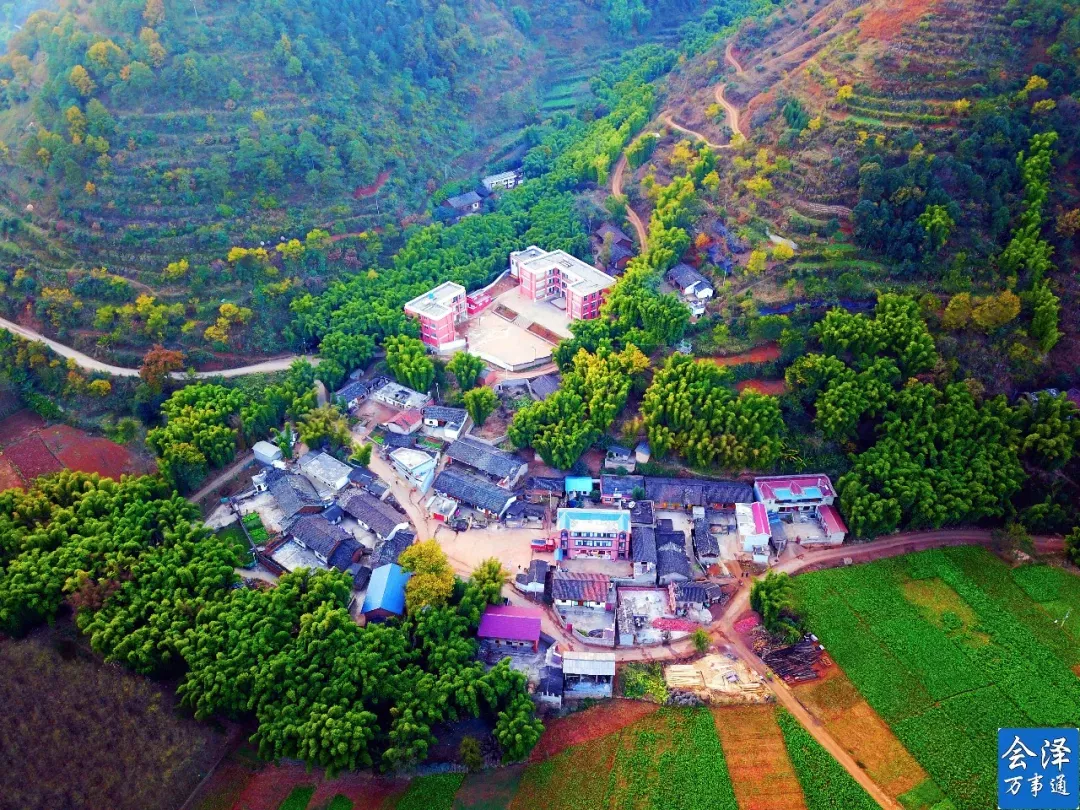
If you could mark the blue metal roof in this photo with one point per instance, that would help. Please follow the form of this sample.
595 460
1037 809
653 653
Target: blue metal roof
615 520
579 483
386 590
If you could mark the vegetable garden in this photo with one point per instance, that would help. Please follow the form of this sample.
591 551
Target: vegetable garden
970 648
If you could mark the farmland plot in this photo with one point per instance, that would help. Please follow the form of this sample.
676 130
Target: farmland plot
948 646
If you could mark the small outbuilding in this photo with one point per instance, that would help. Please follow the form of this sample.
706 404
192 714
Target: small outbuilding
267 453
588 674
385 598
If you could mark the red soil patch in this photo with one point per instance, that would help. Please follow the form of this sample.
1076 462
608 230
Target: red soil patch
592 724
771 387
760 354
78 451
18 426
886 23
9 476
269 787
366 191
757 759
32 458
756 103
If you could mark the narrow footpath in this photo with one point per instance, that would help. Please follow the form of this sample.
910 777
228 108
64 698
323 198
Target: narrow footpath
88 363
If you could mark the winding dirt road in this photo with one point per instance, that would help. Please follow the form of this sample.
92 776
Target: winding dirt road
729 109
631 214
88 363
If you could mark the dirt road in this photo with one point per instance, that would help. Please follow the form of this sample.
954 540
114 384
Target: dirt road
88 363
222 477
732 113
729 55
631 214
669 121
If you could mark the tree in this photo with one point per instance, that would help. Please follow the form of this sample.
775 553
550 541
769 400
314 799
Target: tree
324 425
1044 321
81 81
782 252
1072 546
466 368
994 311
701 640
362 454
773 597
480 403
409 363
755 266
469 748
284 439
958 312
432 580
99 388
158 364
937 223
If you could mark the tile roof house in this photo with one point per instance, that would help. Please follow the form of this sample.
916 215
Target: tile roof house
618 236
318 535
685 493
832 524
534 580
352 394
643 549
671 565
374 515
689 281
474 490
619 458
573 589
361 576
346 555
467 203
505 468
544 386
698 594
544 489
385 598
706 545
619 487
404 422
619 258
642 513
511 626
389 550
447 423
294 494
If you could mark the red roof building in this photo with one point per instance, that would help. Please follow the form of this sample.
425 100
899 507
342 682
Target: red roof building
511 626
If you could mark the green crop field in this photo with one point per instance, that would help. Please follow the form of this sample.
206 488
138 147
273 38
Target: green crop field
948 646
826 785
671 759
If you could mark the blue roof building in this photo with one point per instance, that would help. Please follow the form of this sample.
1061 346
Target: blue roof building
385 597
578 484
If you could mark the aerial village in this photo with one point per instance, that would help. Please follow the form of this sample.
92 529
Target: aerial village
606 563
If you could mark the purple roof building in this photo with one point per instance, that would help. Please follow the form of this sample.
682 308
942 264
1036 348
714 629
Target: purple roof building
511 626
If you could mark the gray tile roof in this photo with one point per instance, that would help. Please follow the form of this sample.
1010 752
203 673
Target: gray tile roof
292 492
697 491
378 516
672 561
536 573
389 550
698 592
683 276
463 200
473 490
342 558
319 535
618 234
361 575
541 483
621 485
452 416
670 539
642 514
643 544
705 543
545 385
354 390
484 457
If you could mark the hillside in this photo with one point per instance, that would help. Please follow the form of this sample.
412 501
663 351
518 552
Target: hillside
150 139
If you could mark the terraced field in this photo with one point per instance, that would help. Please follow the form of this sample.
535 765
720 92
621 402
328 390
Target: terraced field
949 645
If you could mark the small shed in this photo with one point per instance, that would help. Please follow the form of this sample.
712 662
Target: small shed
576 485
267 453
385 597
588 674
